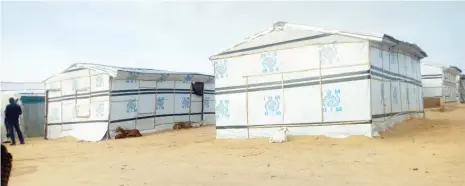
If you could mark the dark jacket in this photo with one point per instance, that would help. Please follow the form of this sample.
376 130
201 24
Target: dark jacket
12 111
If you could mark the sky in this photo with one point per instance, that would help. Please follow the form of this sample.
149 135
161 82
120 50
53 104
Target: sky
39 39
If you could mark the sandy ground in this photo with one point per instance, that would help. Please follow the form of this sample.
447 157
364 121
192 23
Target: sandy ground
419 152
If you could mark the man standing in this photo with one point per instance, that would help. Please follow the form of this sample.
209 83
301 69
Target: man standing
12 113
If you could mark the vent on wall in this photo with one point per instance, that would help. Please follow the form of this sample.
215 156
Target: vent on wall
279 26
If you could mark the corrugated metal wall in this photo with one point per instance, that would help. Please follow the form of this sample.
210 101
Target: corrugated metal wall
32 119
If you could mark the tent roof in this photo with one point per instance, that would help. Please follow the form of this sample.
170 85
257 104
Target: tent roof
456 68
442 66
113 70
22 86
284 33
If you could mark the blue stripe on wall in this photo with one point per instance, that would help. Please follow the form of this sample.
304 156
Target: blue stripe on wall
130 92
159 116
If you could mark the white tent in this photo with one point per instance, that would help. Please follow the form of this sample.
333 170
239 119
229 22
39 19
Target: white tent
18 90
88 101
440 81
315 81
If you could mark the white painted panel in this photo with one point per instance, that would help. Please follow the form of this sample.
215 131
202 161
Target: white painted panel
182 85
403 97
393 62
298 59
386 61
414 98
403 64
165 84
54 112
209 86
68 111
124 107
335 71
376 57
387 97
344 54
419 98
54 131
377 91
143 84
342 102
145 124
164 119
231 110
82 109
302 105
418 67
146 104
54 89
410 71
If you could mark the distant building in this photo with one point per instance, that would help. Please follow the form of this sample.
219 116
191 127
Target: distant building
440 82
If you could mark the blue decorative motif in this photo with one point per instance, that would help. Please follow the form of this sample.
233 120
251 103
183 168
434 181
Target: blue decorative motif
331 101
188 78
269 62
132 77
160 103
185 102
131 106
131 81
328 54
272 105
206 102
99 81
221 69
100 110
394 96
164 77
222 109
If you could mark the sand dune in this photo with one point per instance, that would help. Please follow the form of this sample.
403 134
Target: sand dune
428 152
